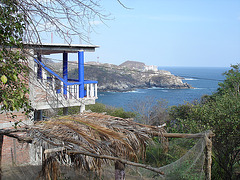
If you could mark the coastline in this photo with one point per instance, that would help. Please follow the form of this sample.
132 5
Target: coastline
202 86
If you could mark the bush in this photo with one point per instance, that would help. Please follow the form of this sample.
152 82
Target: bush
118 112
219 113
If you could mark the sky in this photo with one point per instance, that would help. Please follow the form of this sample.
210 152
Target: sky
189 33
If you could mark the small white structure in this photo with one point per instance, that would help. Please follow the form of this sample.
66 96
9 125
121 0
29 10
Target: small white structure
151 68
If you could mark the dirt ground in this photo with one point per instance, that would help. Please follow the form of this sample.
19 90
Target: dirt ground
67 173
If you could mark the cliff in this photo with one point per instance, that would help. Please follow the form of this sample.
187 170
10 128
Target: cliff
124 78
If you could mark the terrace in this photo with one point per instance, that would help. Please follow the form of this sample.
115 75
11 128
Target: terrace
48 89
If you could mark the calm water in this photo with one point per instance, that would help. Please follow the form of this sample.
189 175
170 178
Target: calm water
205 81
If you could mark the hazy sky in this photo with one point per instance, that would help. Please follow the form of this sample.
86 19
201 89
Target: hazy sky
201 33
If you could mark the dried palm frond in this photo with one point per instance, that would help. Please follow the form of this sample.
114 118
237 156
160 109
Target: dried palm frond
94 133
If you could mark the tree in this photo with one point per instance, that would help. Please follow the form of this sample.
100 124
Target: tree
13 68
67 19
220 113
23 21
150 112
232 82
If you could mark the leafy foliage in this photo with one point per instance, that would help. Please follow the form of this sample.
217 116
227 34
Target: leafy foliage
13 69
157 155
220 113
100 108
232 82
117 112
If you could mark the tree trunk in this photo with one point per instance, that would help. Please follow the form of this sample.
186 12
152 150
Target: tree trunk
119 171
1 143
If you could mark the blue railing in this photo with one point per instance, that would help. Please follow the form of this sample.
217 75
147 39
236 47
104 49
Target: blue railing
69 86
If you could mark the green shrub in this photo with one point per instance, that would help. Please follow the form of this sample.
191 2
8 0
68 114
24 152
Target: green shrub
117 112
97 107
220 113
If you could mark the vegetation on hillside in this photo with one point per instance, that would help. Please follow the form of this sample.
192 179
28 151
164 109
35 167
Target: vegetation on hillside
100 108
219 112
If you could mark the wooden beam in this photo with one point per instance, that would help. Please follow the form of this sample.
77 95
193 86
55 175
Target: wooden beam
181 135
7 131
118 159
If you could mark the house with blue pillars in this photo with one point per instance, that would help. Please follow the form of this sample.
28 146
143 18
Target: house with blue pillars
50 90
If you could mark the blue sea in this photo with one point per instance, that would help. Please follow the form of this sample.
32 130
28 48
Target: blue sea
204 80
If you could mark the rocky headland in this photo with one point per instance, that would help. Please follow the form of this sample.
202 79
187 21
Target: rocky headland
129 76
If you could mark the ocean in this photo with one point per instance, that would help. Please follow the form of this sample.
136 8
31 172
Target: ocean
204 80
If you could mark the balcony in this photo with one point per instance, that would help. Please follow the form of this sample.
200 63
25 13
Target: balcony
48 90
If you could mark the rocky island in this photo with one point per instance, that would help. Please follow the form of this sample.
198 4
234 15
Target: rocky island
129 76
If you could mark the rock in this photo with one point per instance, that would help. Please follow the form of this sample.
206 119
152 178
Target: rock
133 65
127 77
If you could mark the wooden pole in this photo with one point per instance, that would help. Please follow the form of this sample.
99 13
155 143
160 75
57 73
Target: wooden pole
119 171
208 158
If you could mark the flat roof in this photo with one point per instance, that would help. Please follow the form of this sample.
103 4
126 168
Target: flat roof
47 49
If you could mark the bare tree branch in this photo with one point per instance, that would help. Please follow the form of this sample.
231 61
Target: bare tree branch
123 5
118 159
66 18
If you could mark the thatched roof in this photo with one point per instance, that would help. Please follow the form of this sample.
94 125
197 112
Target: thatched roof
99 135
90 140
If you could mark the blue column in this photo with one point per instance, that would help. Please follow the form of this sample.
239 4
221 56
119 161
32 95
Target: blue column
81 73
39 70
65 71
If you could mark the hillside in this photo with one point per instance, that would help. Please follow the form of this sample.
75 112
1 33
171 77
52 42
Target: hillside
122 78
133 65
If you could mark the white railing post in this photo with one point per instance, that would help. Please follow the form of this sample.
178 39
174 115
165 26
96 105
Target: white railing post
35 68
75 91
68 92
87 90
53 84
91 90
44 77
61 93
77 88
96 90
